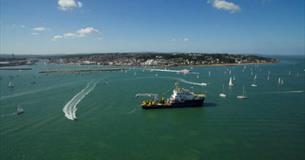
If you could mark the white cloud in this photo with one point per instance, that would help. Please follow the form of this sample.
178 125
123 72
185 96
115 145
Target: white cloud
72 35
185 39
83 32
57 37
15 26
225 5
69 4
39 29
35 33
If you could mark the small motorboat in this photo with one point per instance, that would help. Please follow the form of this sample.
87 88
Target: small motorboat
19 110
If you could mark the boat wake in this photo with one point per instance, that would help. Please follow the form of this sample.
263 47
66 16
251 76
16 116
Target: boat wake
284 92
33 91
174 78
132 111
71 107
190 82
8 115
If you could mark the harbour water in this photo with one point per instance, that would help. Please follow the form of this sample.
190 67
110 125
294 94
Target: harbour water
270 124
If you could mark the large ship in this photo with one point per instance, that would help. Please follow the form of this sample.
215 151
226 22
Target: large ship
180 98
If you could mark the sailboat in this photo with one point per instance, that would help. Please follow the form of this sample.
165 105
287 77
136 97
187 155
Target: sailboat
19 110
254 84
222 94
243 96
10 84
279 81
231 82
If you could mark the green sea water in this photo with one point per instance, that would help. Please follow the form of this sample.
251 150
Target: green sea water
270 124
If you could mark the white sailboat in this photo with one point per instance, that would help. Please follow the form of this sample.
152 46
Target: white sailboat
19 110
222 94
254 82
279 81
243 96
253 85
10 84
231 82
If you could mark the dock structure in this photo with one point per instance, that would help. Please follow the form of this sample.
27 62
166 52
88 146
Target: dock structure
83 70
14 68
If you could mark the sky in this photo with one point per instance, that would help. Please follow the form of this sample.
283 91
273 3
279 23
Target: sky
98 26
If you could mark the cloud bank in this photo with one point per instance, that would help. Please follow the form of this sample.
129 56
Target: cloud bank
83 32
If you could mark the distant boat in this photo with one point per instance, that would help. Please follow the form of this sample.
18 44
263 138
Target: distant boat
253 85
243 96
231 82
209 73
222 94
11 85
254 80
19 110
279 81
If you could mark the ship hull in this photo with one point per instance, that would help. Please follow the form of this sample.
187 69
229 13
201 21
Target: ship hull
185 104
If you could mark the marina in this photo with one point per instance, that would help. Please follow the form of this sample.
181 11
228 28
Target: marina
105 106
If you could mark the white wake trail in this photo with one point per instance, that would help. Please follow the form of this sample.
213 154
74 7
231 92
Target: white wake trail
192 83
33 91
283 92
71 107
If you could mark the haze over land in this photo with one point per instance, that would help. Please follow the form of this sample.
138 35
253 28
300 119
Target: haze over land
209 26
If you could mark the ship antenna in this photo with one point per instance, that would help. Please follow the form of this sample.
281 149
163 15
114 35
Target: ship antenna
176 85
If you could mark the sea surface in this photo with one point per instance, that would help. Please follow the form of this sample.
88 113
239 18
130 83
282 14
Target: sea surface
110 124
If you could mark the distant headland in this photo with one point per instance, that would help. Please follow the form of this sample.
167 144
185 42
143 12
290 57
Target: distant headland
142 59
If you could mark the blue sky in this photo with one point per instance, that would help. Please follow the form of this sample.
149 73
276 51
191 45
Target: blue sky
87 26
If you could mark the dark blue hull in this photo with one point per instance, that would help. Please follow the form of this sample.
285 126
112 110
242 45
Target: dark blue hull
185 104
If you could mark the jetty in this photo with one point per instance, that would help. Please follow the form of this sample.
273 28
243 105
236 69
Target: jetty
83 70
